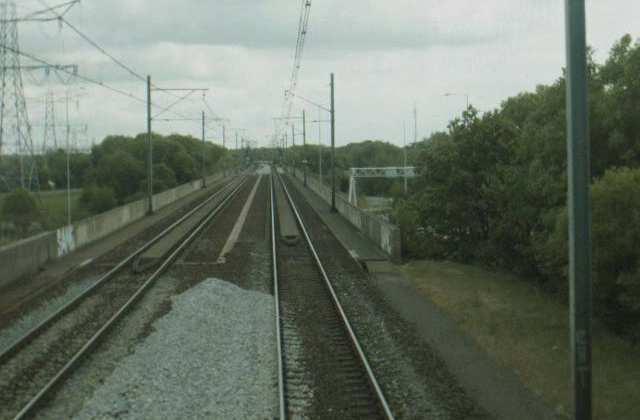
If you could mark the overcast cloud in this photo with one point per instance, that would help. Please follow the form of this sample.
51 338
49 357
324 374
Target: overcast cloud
386 55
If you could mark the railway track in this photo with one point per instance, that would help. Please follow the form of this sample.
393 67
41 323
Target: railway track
323 371
39 361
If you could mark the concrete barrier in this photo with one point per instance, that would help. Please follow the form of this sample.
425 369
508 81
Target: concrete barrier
384 234
97 227
25 257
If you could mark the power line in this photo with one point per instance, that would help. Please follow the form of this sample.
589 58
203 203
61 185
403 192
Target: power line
216 116
78 75
102 50
89 79
32 17
60 17
303 24
95 45
69 5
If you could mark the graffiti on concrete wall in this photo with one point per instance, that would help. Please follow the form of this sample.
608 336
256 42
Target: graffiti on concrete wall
66 240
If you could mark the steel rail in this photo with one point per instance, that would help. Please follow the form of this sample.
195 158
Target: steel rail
276 296
68 367
384 405
36 330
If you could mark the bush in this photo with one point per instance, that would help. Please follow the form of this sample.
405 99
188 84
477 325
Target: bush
21 209
407 216
98 199
120 172
616 249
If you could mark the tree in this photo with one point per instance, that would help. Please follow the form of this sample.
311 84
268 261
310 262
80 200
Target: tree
121 172
98 199
616 249
21 209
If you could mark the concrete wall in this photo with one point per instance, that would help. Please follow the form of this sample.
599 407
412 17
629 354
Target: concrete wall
384 234
97 227
27 256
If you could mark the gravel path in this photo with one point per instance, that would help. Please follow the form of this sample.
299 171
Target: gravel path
211 356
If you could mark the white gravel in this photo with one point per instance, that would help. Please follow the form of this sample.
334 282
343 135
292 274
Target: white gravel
212 356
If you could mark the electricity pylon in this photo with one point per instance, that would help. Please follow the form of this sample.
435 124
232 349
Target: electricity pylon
16 140
50 138
15 128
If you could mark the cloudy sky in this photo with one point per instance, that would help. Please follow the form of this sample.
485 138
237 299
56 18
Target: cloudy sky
386 55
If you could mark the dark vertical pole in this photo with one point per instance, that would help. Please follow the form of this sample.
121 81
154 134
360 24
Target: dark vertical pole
304 145
333 147
236 140
224 148
293 144
415 123
149 151
320 146
204 170
579 209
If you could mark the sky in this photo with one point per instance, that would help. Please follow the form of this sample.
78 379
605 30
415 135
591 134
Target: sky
387 56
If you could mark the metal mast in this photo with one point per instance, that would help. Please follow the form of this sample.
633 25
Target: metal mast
50 137
15 128
303 24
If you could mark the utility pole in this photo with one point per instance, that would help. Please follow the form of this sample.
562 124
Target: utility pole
68 164
333 147
404 150
320 146
293 141
415 123
149 151
579 206
151 118
224 149
304 145
236 140
224 136
204 175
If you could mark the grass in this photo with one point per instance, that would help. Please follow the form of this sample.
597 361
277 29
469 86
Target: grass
54 206
527 331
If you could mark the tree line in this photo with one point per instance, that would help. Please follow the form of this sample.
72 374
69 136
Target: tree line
113 173
492 188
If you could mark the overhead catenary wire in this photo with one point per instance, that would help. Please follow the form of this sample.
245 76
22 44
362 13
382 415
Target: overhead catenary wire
88 79
102 50
57 15
81 34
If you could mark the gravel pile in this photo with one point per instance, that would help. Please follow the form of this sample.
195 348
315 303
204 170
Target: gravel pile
212 356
